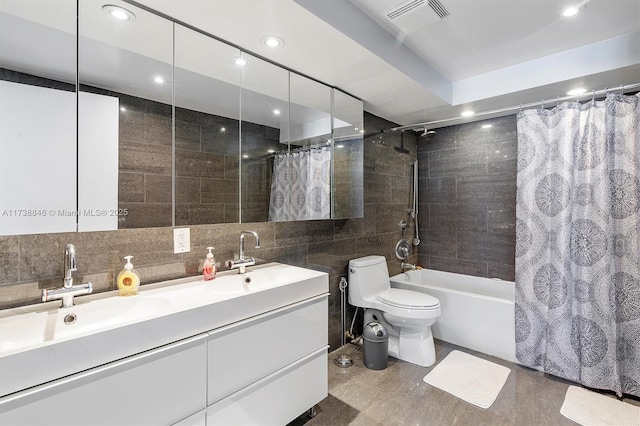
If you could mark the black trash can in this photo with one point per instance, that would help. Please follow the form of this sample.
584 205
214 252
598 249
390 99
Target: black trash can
376 346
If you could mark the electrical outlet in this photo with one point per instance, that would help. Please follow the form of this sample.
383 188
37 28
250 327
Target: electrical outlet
181 240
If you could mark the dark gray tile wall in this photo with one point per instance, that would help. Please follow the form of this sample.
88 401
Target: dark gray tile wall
29 263
467 198
348 187
206 165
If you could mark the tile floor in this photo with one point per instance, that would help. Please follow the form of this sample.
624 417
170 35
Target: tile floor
398 396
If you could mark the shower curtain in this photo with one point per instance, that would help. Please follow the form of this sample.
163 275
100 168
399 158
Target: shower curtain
577 312
300 189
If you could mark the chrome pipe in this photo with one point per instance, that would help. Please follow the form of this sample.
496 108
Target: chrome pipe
343 360
70 264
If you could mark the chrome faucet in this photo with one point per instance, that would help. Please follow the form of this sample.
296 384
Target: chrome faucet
243 261
407 265
70 264
68 291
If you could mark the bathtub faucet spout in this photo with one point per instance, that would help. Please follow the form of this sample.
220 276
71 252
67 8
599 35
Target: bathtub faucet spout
406 265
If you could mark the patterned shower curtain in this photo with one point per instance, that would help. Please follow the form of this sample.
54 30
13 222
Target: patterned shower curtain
577 311
300 189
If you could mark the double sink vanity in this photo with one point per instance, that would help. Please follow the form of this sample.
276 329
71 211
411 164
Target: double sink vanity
242 349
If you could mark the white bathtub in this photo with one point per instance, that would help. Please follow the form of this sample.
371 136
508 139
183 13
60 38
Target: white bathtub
477 313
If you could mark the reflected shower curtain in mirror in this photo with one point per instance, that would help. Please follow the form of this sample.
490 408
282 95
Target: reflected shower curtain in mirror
300 189
577 312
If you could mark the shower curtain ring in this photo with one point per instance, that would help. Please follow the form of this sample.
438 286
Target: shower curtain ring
593 99
557 101
621 89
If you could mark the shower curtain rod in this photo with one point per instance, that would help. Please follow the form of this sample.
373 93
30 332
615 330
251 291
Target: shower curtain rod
505 111
299 149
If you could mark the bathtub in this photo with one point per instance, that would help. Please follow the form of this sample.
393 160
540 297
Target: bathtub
477 313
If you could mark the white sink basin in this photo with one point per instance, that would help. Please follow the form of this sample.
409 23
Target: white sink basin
47 341
258 279
22 331
36 328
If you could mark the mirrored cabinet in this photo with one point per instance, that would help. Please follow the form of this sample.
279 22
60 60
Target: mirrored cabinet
207 129
264 131
125 71
142 122
38 103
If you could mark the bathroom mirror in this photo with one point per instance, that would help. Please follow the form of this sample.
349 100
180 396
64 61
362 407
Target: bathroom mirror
264 131
301 178
347 189
207 129
37 117
115 133
130 63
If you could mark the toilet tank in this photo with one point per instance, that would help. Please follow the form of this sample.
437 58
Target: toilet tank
368 276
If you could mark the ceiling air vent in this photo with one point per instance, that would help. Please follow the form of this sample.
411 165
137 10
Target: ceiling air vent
404 8
438 8
409 6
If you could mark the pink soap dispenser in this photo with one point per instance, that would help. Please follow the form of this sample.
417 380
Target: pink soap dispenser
209 268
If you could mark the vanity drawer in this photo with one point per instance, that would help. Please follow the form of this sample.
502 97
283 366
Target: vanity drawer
278 398
160 386
247 351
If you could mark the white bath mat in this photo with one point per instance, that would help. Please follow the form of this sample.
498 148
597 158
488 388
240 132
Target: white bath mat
470 378
590 408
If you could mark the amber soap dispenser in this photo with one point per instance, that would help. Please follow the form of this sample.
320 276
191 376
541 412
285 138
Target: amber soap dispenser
128 279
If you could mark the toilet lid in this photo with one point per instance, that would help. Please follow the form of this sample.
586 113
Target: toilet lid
408 299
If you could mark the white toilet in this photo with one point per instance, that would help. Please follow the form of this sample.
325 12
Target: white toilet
407 315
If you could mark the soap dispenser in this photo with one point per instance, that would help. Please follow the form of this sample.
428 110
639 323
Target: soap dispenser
209 268
128 279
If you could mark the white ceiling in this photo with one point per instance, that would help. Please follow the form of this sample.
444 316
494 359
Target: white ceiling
486 55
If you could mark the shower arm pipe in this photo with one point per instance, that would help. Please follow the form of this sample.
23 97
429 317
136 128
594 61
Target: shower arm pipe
416 240
507 111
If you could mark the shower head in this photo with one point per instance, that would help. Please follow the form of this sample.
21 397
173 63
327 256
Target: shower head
427 133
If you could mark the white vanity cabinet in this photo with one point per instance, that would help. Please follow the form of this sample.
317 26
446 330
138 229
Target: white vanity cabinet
218 354
161 386
271 368
244 352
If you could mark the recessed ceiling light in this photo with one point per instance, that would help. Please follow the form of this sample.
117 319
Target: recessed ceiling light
223 129
158 79
245 156
276 112
467 113
339 146
123 109
578 91
271 151
486 126
119 13
570 11
272 41
240 61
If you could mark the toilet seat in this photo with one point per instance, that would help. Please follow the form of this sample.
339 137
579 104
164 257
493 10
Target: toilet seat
408 299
